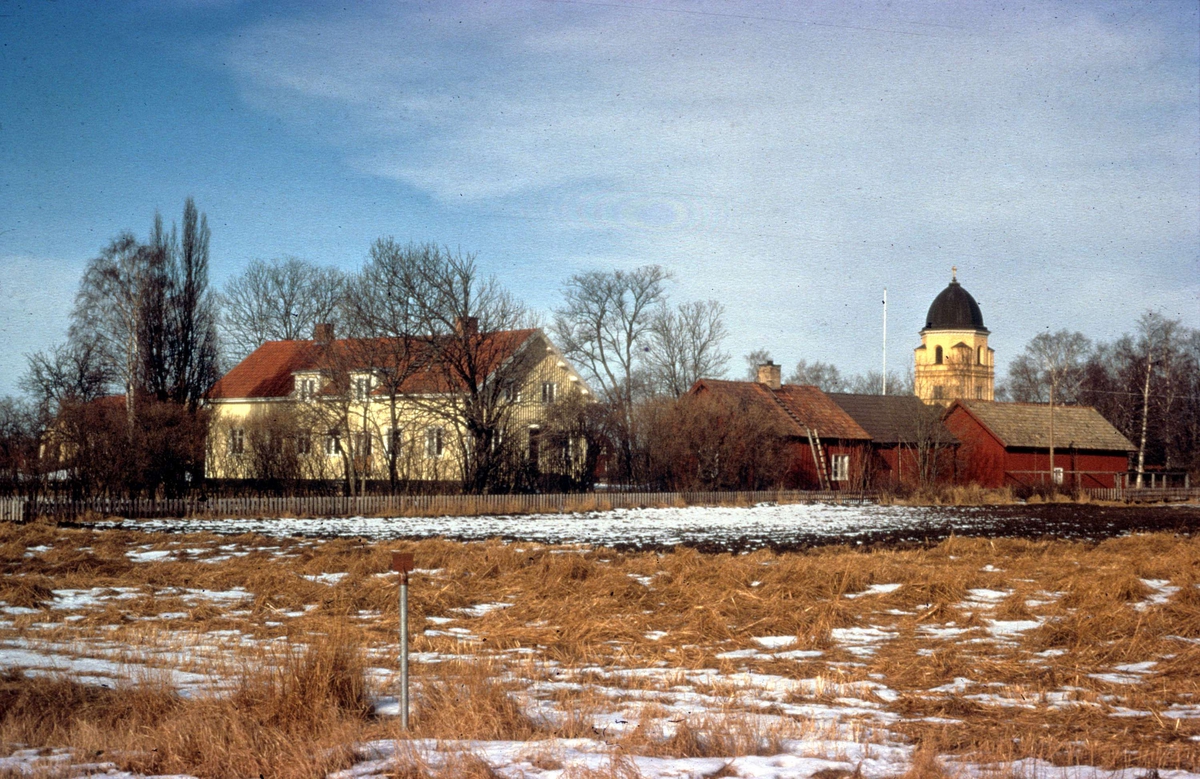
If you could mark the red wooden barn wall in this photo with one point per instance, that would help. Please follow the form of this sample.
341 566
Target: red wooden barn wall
984 460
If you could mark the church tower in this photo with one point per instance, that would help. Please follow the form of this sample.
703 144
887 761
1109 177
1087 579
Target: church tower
954 359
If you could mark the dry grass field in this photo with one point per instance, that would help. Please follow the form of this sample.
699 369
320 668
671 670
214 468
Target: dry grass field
219 656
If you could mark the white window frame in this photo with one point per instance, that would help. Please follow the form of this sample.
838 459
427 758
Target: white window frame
333 443
362 388
303 443
1056 475
840 464
435 442
237 441
549 392
306 388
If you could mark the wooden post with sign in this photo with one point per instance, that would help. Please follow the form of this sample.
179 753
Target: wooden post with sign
402 563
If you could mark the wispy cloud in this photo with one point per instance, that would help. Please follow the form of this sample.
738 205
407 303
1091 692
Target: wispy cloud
800 160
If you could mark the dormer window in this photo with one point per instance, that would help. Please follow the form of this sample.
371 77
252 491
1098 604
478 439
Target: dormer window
362 388
306 388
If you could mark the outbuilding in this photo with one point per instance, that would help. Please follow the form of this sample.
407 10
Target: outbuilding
910 445
1011 444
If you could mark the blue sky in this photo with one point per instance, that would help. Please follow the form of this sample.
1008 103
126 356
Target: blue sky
789 160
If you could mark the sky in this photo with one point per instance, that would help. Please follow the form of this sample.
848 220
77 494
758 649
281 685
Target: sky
789 160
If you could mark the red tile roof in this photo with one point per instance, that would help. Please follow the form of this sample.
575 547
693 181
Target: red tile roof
798 407
269 371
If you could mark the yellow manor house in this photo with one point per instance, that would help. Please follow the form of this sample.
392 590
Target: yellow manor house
481 408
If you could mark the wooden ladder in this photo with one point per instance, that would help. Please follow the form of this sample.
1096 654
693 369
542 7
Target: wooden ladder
818 453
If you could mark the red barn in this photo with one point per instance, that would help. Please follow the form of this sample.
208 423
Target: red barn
1008 444
909 444
826 448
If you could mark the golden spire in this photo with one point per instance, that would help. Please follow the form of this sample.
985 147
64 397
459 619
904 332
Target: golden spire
954 273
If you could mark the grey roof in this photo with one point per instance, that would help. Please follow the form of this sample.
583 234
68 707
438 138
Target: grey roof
954 309
895 419
1028 425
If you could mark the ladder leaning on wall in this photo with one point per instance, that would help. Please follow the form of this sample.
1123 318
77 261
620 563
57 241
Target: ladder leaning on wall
818 453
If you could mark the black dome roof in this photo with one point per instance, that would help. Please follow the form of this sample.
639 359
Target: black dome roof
954 309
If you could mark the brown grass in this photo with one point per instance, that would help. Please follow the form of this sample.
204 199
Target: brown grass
298 709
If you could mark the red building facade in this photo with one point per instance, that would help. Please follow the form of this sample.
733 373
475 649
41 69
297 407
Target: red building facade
1008 444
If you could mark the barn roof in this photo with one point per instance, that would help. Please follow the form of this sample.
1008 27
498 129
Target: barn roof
1027 425
269 371
895 419
796 406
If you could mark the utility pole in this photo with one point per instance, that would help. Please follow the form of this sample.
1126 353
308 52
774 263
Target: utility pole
884 340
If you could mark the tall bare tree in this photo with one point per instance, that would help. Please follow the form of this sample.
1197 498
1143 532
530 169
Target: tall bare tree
109 307
469 319
386 307
279 300
685 345
604 326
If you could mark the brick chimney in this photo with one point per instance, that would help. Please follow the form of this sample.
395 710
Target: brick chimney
466 325
768 373
323 333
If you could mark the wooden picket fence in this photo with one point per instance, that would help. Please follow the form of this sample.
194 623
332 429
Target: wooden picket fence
1146 494
22 509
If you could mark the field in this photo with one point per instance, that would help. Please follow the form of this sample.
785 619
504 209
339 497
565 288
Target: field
134 653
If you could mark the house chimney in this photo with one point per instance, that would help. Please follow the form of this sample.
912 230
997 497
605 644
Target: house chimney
466 325
768 373
323 333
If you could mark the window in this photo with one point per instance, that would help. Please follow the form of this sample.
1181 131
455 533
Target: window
938 391
303 443
979 393
937 355
549 391
237 441
510 393
307 388
434 443
980 353
841 467
362 388
1058 475
333 443
362 444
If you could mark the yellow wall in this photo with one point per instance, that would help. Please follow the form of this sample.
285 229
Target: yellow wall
961 374
255 419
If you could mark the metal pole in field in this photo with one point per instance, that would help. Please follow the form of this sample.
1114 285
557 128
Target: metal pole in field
403 563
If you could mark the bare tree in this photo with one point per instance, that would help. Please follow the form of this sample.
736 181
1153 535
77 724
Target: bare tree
1156 334
191 310
70 372
822 375
1050 368
280 300
871 383
469 319
603 327
385 308
21 429
109 307
685 345
752 360
1052 365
